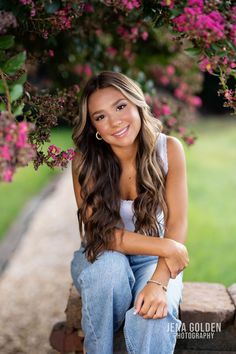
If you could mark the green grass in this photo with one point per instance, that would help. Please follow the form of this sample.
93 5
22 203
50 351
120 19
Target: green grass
27 183
211 166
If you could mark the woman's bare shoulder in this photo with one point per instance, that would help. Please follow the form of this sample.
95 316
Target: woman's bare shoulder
175 151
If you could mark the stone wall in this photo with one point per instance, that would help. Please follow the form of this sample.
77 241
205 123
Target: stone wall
208 320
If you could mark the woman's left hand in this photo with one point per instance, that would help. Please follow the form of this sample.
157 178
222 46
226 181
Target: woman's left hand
151 302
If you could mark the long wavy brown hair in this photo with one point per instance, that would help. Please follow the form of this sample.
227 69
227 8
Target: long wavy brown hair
99 171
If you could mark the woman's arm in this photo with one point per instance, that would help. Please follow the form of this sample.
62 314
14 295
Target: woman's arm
134 243
177 202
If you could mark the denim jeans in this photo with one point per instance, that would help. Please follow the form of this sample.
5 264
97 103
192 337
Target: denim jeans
108 288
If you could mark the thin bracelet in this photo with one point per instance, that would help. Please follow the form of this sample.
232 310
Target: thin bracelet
158 283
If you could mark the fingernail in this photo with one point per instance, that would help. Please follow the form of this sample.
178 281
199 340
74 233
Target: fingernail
135 312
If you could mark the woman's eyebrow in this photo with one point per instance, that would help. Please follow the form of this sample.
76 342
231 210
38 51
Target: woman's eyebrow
112 105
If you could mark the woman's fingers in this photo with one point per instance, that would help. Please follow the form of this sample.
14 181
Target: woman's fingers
160 312
155 311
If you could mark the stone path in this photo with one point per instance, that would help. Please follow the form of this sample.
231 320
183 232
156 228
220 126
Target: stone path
35 285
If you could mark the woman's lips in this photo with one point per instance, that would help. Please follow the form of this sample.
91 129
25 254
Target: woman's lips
122 133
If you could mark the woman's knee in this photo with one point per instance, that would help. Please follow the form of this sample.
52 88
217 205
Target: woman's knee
110 269
136 328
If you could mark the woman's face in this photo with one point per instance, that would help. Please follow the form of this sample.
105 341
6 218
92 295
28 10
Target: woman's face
115 117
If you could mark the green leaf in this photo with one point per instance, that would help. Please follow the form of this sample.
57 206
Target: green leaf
16 92
19 110
2 89
14 63
2 107
6 42
52 7
193 52
22 79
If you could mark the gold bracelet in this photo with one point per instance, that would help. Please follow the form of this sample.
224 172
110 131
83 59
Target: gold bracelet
158 283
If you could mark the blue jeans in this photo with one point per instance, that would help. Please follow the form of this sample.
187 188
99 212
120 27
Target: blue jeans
108 289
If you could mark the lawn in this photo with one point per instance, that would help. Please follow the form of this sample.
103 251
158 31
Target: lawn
27 183
211 165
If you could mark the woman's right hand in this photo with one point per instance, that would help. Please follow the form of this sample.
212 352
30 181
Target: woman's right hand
176 257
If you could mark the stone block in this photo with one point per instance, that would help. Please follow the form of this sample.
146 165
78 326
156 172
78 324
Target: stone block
232 292
206 303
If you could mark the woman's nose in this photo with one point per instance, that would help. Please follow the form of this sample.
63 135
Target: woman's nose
115 122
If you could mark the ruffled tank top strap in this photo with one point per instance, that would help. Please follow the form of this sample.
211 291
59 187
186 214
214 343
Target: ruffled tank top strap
162 149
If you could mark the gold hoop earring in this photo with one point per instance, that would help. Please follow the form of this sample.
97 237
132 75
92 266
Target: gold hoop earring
98 136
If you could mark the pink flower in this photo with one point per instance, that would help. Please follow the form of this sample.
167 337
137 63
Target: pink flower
164 80
144 35
45 34
134 31
205 65
208 27
130 4
53 150
111 51
169 3
182 130
195 101
171 121
88 8
32 12
229 95
22 135
26 2
179 93
5 153
148 99
165 110
87 70
170 69
233 33
197 3
189 140
71 153
7 174
51 52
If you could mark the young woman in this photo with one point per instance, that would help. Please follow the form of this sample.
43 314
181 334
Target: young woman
130 187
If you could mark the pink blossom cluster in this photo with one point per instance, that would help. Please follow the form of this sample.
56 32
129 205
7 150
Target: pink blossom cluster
26 2
210 27
83 69
230 95
162 111
7 20
126 5
62 20
111 52
60 158
169 3
88 8
212 63
15 151
167 76
232 25
130 4
32 6
132 34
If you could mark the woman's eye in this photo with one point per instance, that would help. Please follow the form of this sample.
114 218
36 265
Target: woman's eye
121 106
98 118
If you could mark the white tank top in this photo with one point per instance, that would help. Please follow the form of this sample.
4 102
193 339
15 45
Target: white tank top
126 206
